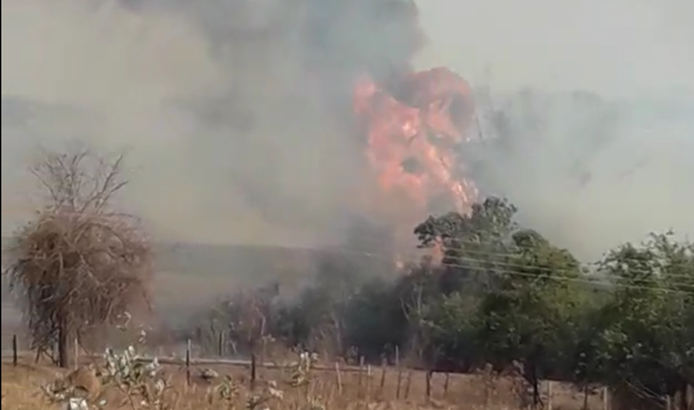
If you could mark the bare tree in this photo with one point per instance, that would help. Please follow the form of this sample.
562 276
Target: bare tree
79 265
249 313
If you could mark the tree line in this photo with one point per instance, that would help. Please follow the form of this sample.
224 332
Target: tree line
501 295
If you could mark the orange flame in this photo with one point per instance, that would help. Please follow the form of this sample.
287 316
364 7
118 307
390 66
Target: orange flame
410 140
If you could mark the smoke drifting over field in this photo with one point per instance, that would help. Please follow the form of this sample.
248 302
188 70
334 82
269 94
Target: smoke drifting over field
237 119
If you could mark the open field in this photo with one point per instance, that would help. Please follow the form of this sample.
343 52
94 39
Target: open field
21 390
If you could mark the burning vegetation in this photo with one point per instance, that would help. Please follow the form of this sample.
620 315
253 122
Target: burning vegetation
413 122
411 139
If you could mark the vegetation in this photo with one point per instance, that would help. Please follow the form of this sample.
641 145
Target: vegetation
501 298
506 297
79 264
296 384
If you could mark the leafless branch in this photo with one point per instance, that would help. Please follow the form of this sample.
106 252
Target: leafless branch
79 265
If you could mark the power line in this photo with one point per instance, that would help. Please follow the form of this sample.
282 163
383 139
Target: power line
466 251
506 245
487 253
496 263
547 269
511 272
510 268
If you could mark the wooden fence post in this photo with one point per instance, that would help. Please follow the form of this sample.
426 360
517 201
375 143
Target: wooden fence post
383 374
399 368
408 383
253 369
188 375
338 377
428 375
549 395
445 385
76 360
15 348
220 344
360 376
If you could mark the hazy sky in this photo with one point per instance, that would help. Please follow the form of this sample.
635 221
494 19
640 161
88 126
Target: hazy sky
144 78
614 47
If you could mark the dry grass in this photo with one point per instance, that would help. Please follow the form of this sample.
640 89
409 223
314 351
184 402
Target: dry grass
21 389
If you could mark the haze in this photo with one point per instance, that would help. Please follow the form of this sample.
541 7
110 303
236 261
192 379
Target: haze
273 163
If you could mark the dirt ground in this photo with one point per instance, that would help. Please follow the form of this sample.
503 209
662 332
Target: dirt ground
21 390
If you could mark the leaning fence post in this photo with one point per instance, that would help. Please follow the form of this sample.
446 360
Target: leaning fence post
408 383
384 366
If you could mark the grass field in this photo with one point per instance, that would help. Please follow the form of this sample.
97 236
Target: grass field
21 390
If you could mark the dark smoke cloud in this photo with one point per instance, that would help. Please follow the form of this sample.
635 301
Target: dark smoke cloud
236 114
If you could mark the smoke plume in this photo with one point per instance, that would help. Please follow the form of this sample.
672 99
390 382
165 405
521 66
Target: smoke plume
599 111
236 115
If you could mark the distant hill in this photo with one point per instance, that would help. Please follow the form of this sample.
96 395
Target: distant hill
190 274
243 263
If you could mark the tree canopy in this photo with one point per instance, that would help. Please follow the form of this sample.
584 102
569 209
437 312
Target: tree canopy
503 295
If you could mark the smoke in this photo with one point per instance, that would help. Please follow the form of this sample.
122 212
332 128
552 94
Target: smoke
591 173
233 112
623 48
596 145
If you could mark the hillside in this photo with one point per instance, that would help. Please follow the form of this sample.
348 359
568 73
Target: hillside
189 274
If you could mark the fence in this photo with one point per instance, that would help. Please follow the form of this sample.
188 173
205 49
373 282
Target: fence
396 382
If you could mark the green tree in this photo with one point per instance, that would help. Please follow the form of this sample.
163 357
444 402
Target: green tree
641 338
375 322
474 246
527 315
452 326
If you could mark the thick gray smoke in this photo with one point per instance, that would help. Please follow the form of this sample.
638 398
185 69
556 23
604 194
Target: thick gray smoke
601 142
233 111
591 173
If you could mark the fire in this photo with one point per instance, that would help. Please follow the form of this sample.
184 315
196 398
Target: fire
410 138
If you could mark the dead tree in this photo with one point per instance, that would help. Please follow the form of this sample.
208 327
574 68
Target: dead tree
79 265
